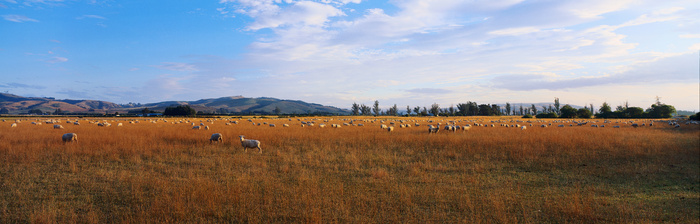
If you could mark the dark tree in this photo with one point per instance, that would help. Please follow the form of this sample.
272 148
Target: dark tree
181 110
484 110
366 110
416 110
355 109
584 113
533 109
568 112
605 108
408 110
521 110
277 110
556 106
435 109
508 108
375 109
36 111
661 111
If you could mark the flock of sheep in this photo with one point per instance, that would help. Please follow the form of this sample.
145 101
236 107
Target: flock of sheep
388 124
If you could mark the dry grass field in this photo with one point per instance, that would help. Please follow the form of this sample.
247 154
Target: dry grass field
167 172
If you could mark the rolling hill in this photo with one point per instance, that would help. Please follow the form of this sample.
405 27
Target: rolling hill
224 105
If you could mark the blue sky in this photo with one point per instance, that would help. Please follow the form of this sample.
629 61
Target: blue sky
336 52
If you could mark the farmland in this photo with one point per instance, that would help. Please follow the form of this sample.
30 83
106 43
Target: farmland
161 170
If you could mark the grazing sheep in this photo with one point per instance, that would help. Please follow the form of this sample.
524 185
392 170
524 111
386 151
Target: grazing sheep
523 127
216 137
249 143
196 127
57 126
285 125
13 125
390 128
76 123
119 124
206 127
383 126
320 125
272 125
466 127
70 137
432 129
616 126
561 126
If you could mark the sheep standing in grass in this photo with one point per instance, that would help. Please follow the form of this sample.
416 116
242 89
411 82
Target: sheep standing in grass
70 137
216 137
13 125
390 128
249 143
57 126
196 127
432 129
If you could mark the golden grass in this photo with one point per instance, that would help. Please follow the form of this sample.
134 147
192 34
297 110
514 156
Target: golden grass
163 172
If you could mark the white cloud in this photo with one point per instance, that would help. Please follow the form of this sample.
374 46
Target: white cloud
177 66
18 18
90 17
302 13
57 60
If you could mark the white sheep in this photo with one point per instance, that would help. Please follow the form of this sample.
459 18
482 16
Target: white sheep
206 127
13 125
285 125
523 127
196 127
216 137
70 137
432 129
249 143
390 128
57 126
119 124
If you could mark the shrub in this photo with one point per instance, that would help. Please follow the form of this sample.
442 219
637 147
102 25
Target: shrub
527 116
546 115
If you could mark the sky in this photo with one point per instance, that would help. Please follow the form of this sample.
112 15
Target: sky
336 52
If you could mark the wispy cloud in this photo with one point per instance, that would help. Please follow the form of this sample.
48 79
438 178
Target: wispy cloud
21 85
90 17
57 60
177 66
429 91
18 18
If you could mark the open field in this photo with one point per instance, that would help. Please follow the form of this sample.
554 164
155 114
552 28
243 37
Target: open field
167 172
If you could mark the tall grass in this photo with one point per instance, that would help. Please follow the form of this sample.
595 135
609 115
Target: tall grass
165 172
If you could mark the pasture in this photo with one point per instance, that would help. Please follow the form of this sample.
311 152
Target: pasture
162 170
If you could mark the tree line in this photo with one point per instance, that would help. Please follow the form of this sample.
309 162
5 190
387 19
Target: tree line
657 110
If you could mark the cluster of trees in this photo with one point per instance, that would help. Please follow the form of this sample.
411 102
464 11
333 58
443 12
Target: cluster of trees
181 110
657 110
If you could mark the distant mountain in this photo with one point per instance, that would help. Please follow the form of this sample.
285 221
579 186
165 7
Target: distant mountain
243 105
19 104
224 105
